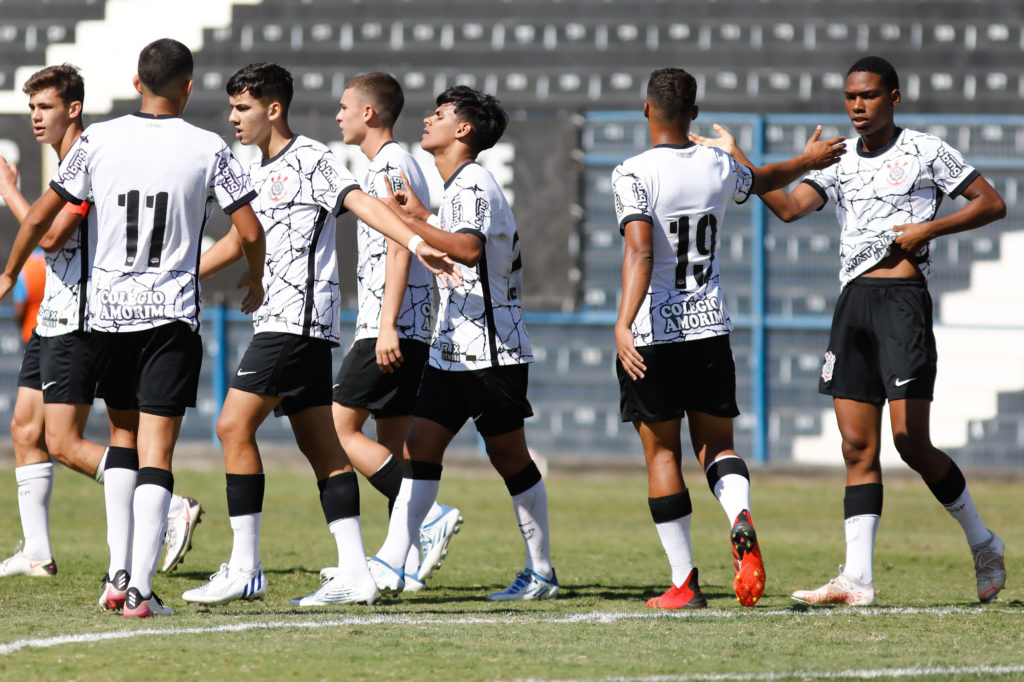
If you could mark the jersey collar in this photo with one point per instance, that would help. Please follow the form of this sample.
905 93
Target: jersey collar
155 116
878 152
456 173
275 157
685 145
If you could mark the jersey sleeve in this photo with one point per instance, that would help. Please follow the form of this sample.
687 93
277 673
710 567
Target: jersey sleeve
949 170
230 185
73 181
743 178
824 182
632 201
471 212
330 183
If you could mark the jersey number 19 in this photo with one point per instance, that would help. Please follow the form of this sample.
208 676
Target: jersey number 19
704 237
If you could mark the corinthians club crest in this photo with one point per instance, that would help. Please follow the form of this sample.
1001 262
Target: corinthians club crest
277 187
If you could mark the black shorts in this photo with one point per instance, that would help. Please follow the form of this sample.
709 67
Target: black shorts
29 375
68 369
881 345
361 384
495 398
295 368
682 376
155 371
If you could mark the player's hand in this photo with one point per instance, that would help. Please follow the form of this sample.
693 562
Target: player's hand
911 237
725 141
6 284
631 360
439 263
253 298
823 153
389 353
409 201
8 174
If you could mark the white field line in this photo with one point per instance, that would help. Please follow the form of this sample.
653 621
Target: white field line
863 673
498 619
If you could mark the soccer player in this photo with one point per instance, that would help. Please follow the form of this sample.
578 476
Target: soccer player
479 350
153 178
381 372
887 189
55 389
672 331
301 189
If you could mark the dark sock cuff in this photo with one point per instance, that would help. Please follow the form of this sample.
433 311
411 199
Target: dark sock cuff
670 507
523 480
724 467
154 476
245 493
388 479
423 471
340 498
862 499
950 486
121 458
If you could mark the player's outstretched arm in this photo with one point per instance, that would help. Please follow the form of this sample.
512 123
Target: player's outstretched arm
788 206
33 227
253 243
14 199
224 252
984 205
637 265
817 154
63 226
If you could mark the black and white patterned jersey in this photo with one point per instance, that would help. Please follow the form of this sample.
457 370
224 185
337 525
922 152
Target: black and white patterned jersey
901 183
682 190
416 315
63 309
480 323
153 180
300 193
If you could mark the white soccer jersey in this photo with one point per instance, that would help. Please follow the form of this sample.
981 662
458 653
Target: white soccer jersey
682 190
153 179
299 196
63 309
899 184
480 323
416 315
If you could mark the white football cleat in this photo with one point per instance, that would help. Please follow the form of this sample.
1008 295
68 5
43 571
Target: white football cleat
840 590
226 586
137 606
20 564
528 585
990 568
333 590
115 590
434 539
413 584
386 577
180 527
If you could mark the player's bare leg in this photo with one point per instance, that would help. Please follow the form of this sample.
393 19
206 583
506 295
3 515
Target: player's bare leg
65 424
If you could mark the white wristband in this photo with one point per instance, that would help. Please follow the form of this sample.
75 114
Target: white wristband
432 220
414 242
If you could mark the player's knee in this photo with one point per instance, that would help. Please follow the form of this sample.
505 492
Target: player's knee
230 430
858 450
24 432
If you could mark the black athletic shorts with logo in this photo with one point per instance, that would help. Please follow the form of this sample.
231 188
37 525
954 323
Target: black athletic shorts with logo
295 368
881 345
28 375
697 375
155 371
67 369
360 382
494 398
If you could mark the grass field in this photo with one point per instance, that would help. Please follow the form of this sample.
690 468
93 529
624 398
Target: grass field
928 624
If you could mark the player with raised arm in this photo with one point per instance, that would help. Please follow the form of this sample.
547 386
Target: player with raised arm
381 372
301 189
672 331
153 179
887 190
479 350
57 380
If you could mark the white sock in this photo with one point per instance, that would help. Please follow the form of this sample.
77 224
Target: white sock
177 503
963 510
118 493
150 509
98 476
531 509
348 534
433 514
675 539
245 548
414 499
733 493
35 485
860 546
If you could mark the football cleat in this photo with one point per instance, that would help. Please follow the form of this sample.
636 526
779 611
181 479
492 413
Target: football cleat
687 596
528 585
137 607
180 527
114 590
989 568
226 586
413 584
20 564
386 578
434 539
749 580
840 590
333 590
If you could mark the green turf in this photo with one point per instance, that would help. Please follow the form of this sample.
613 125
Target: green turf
609 562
